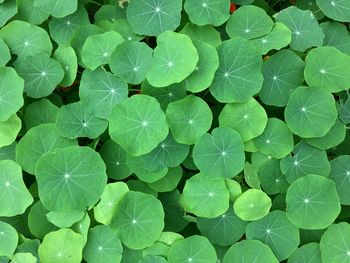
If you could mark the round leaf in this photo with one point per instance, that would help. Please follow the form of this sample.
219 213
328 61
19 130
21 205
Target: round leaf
58 9
206 34
335 9
39 112
8 239
336 35
340 174
9 130
68 60
5 55
7 10
271 178
309 253
28 12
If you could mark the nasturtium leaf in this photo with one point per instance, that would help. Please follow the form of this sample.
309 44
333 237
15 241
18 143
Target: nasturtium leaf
195 249
82 227
57 9
219 154
223 230
139 220
8 152
251 176
276 231
66 56
138 124
340 174
169 181
336 35
71 178
114 157
234 189
207 12
97 49
39 112
110 199
189 119
312 6
7 10
239 74
73 121
204 72
326 67
205 196
276 140
63 29
206 34
103 245
305 160
333 138
175 58
101 91
15 197
283 73
11 89
9 130
249 119
110 13
149 17
335 242
152 259
335 9
65 219
250 251
122 26
271 178
164 95
41 74
344 112
38 141
131 61
29 246
279 37
310 112
306 32
23 258
249 22
139 186
312 202
63 245
25 39
30 13
5 55
8 239
252 205
309 253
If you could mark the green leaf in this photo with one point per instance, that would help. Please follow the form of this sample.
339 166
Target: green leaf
67 58
276 140
252 205
312 6
39 112
335 9
64 219
279 37
205 196
131 61
5 55
271 178
36 142
206 34
326 67
249 22
73 121
30 13
149 17
9 130
101 91
171 67
109 202
109 12
25 39
7 10
195 249
310 112
239 74
223 230
141 119
340 174
336 35
8 239
251 176
312 202
249 119
334 243
169 181
306 32
152 259
11 90
23 258
41 74
114 157
243 252
97 49
220 154
276 231
283 73
63 245
139 220
15 197
309 253
122 26
57 9
103 245
71 178
188 119
208 12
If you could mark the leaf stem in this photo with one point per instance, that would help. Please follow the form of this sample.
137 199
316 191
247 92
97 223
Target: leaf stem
94 2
